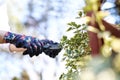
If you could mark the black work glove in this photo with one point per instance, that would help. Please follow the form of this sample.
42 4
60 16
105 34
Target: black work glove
51 48
35 48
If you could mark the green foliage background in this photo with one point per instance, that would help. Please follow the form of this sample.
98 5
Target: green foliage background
79 64
77 50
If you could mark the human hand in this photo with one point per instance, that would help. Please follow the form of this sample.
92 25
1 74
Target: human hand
13 48
33 45
49 47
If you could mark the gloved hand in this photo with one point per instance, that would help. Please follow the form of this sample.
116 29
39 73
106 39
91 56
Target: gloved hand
51 48
35 48
33 45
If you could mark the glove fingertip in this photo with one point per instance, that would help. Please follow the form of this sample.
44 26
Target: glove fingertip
31 55
25 52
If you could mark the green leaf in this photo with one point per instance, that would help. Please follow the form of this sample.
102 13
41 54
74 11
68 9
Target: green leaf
70 28
72 24
80 14
64 38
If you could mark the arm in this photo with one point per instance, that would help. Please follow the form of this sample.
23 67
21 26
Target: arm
32 45
11 47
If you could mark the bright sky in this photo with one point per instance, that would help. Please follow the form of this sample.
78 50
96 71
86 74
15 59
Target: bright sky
3 18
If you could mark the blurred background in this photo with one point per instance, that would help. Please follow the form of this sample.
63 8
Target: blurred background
45 19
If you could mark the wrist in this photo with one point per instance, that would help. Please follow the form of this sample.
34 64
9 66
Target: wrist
9 37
